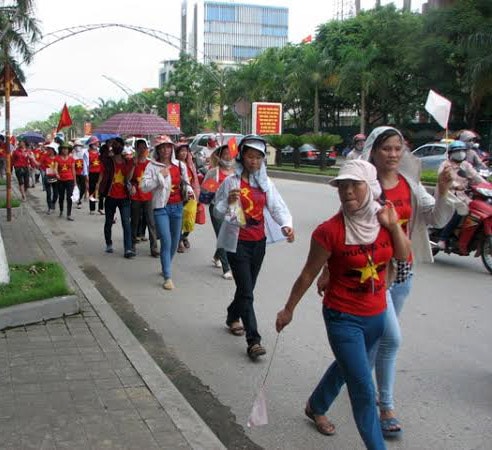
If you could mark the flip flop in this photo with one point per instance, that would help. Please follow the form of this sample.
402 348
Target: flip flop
326 428
236 329
387 427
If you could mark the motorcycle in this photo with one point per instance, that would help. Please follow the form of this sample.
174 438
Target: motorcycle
475 230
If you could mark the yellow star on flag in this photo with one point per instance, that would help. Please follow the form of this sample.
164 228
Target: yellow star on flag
369 271
119 177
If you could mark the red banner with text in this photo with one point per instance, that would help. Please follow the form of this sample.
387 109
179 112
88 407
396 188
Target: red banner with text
267 118
173 114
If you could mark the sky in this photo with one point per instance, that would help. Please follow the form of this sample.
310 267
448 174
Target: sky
73 70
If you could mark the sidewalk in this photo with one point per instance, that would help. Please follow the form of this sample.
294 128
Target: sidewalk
83 382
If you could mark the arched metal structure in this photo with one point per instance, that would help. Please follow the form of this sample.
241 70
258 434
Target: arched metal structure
60 35
142 105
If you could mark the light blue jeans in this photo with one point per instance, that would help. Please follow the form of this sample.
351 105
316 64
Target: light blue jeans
168 222
386 349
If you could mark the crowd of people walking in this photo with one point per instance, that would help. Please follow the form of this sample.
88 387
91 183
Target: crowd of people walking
361 258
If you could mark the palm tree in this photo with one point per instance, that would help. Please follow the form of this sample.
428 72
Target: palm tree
20 31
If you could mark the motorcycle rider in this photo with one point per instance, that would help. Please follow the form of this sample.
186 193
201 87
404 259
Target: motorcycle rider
470 138
464 175
358 142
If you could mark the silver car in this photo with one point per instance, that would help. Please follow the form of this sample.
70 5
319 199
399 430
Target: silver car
431 155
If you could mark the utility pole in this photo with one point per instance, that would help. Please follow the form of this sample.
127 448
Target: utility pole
8 159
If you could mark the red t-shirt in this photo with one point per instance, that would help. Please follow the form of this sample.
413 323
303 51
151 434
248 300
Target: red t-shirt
401 197
94 163
357 272
138 172
65 166
118 189
175 196
253 200
3 151
48 162
20 158
79 166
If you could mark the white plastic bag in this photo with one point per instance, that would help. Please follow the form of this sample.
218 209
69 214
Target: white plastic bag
75 194
259 415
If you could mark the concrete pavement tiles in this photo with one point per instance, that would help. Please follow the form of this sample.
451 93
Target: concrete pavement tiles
72 382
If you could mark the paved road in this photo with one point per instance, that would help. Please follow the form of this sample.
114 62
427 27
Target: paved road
444 386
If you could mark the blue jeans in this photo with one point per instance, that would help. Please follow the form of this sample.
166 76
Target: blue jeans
351 339
388 345
168 222
123 204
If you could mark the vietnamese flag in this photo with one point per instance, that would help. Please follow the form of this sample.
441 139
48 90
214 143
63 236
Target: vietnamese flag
232 144
65 119
210 185
307 39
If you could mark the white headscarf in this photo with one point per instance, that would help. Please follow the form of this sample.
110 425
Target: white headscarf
362 226
410 165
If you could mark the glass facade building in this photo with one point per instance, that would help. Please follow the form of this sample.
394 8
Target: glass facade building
237 32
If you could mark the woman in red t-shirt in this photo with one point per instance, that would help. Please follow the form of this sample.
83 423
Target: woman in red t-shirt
94 171
48 167
65 169
21 160
211 183
183 154
357 244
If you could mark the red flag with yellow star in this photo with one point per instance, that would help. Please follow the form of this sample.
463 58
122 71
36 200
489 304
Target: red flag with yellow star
232 144
65 119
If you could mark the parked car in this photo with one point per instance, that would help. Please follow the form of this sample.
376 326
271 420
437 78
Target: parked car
432 154
309 155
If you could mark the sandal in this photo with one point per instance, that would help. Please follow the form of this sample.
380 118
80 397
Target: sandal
236 328
325 426
186 243
388 427
256 350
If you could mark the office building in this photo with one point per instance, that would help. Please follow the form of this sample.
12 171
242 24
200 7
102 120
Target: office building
229 33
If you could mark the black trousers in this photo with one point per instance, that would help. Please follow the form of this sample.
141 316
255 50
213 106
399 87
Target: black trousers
138 209
245 265
81 180
65 188
93 177
51 192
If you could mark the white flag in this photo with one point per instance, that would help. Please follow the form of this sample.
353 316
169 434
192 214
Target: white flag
438 107
258 414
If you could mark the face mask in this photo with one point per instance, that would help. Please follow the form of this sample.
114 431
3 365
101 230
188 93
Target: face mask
226 164
458 156
476 146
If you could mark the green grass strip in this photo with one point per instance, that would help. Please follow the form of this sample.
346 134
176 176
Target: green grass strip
14 203
314 170
35 281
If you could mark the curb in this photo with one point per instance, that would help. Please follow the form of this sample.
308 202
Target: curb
311 178
192 427
37 311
